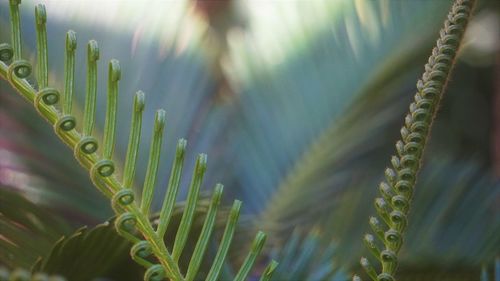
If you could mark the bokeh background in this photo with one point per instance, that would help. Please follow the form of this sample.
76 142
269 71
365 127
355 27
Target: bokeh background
298 105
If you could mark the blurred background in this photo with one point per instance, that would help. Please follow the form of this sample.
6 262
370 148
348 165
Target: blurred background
298 105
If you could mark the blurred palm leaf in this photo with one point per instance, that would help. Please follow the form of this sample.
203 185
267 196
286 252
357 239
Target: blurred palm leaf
27 230
286 105
455 219
303 257
93 253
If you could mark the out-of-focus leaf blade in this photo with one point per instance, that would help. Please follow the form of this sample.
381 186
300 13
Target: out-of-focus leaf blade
27 231
285 107
303 257
86 254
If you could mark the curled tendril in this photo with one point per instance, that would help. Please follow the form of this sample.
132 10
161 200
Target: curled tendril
100 172
397 189
121 199
64 129
400 203
84 150
44 99
389 260
6 52
103 168
154 273
393 239
87 145
66 123
140 252
398 220
385 277
125 225
20 69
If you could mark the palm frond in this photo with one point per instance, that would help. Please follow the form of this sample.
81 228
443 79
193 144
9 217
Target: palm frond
98 160
397 190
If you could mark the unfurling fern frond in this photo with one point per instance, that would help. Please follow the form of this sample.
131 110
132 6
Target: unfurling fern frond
149 247
396 192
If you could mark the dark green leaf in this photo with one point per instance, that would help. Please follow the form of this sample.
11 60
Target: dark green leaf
91 253
26 229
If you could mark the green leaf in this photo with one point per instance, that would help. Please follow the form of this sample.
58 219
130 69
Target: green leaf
27 230
87 254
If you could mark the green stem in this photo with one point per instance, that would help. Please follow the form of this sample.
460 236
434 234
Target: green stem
41 36
69 72
15 24
90 98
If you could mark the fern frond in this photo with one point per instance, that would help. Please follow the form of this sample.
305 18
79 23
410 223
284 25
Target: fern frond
132 216
396 192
